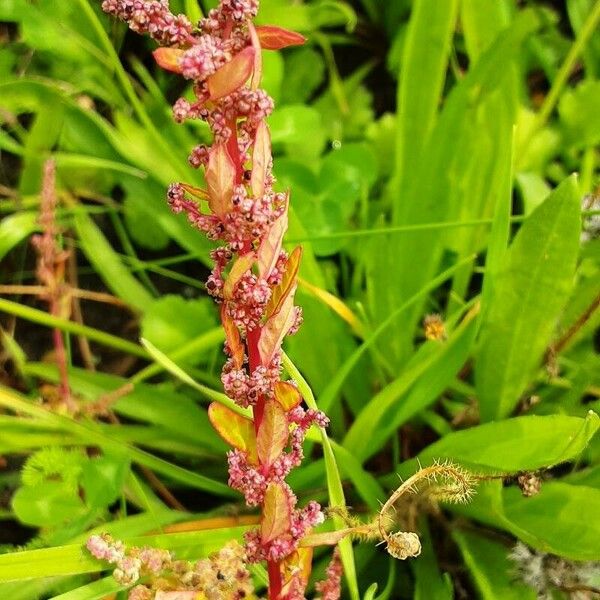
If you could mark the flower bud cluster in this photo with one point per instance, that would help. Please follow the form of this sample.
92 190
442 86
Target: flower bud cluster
222 575
246 388
130 564
152 17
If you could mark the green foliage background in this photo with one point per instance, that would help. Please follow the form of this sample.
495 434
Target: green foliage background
459 198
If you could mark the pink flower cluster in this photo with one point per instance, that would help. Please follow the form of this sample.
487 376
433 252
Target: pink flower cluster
330 588
152 17
129 565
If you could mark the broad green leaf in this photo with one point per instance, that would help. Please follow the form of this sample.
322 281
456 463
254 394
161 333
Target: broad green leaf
482 21
519 444
47 504
580 121
171 321
531 289
103 479
561 519
489 566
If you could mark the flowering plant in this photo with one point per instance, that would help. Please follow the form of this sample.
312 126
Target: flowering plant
254 279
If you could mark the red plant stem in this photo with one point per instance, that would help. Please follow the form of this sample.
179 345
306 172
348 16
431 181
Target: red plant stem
252 339
275 583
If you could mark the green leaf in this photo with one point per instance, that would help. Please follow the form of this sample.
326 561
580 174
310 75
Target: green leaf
14 229
429 582
520 444
74 559
299 129
108 265
171 321
103 479
46 504
422 75
97 590
578 115
561 519
531 289
424 378
489 567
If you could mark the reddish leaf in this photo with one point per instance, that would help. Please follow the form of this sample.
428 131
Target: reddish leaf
234 340
287 395
257 70
276 38
236 430
220 179
296 565
261 156
269 250
239 267
272 436
194 191
275 329
168 58
276 517
281 291
231 75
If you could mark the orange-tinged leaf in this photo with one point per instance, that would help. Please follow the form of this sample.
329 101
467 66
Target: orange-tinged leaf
233 338
296 565
276 38
195 191
287 395
231 75
270 247
276 515
220 179
257 70
275 329
168 58
261 156
239 267
328 538
236 430
289 281
273 433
